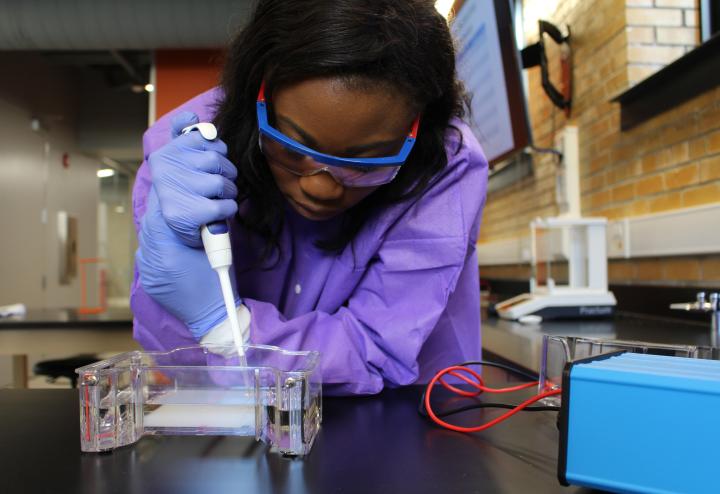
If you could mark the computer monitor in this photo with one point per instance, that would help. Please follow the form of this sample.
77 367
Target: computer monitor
488 63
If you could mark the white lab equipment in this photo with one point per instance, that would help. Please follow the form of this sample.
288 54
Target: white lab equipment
581 243
13 310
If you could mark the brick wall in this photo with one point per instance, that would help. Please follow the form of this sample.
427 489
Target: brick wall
692 271
671 161
658 32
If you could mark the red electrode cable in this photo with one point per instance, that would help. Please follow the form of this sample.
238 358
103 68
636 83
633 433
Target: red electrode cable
480 387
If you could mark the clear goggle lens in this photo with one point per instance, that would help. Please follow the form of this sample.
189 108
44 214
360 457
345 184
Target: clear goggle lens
302 165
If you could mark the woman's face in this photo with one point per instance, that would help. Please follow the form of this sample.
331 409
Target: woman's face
328 116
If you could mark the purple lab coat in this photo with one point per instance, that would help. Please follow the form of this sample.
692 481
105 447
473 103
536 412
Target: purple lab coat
403 305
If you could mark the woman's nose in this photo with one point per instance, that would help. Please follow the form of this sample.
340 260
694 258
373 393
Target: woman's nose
321 187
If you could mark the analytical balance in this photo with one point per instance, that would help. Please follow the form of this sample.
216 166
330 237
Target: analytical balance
580 242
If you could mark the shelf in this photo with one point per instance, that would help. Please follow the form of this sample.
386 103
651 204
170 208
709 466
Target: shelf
690 75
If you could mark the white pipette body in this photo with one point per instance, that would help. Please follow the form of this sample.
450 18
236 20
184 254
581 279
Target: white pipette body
219 253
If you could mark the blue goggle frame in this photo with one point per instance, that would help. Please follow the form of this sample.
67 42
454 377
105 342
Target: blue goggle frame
327 159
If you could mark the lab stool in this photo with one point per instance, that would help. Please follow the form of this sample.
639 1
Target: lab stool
63 367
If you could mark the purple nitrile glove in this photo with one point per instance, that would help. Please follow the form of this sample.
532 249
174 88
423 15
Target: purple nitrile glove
188 175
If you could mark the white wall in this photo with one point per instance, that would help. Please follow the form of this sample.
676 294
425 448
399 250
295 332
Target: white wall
74 189
34 185
22 242
116 240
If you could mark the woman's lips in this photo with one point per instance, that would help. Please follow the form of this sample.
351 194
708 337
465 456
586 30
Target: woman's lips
314 212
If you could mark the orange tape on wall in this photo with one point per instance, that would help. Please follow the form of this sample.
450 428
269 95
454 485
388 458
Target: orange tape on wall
85 308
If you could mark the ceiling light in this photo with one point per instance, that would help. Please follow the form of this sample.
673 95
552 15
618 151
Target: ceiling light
105 172
149 87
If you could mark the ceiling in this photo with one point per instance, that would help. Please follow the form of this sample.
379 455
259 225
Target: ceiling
101 52
64 25
121 69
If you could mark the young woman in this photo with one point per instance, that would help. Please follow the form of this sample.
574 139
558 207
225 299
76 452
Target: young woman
352 188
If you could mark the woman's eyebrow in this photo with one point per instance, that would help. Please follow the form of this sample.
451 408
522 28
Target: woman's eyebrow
370 146
310 142
307 138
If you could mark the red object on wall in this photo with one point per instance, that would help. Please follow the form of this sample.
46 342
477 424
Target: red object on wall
66 160
566 68
183 74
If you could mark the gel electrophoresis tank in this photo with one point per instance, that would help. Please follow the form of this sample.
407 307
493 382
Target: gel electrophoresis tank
202 390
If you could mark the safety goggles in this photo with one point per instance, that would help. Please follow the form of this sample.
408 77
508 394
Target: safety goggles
293 157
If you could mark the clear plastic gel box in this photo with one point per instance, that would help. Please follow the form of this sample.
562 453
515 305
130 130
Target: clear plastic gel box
275 395
557 351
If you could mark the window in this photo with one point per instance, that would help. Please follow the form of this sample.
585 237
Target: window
709 18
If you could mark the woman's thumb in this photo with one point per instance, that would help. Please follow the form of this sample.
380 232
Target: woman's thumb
182 120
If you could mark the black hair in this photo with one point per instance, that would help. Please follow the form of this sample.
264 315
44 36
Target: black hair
405 44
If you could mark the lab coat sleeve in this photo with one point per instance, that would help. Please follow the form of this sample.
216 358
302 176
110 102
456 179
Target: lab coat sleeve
375 338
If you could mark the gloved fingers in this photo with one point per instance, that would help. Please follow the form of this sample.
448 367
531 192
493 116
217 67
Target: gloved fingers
185 221
215 163
214 187
187 198
229 190
187 218
176 184
206 173
182 120
176 275
184 218
161 228
195 140
187 152
212 210
205 198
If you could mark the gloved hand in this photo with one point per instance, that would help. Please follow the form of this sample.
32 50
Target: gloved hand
188 175
194 181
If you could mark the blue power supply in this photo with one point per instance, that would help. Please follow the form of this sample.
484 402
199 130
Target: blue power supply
640 423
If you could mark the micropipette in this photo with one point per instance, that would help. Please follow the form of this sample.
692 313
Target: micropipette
216 241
